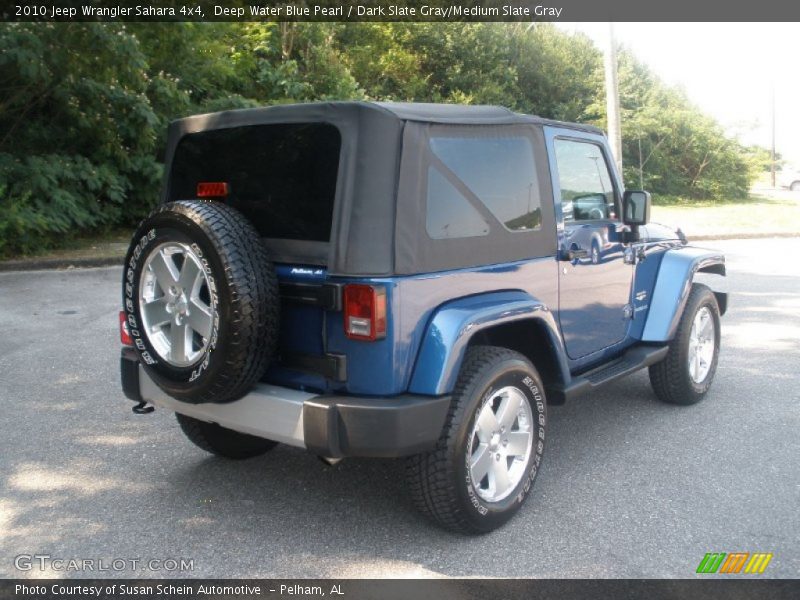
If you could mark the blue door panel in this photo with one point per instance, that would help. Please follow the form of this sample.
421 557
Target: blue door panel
594 310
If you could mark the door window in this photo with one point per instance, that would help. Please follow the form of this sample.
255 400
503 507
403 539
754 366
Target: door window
587 193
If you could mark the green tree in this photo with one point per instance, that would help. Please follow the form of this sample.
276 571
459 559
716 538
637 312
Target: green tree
84 106
560 75
291 62
77 131
670 146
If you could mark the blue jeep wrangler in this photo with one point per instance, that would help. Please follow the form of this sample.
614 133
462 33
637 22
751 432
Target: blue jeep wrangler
404 280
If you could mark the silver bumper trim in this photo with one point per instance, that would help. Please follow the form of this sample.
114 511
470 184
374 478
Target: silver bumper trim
269 411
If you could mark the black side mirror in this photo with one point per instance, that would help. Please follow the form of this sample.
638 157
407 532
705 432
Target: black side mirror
636 208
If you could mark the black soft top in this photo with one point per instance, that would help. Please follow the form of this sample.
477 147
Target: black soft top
372 233
405 111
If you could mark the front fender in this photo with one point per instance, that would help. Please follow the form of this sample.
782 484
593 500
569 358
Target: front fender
453 325
673 284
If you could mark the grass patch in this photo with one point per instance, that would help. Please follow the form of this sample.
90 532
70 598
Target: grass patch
659 200
97 245
756 215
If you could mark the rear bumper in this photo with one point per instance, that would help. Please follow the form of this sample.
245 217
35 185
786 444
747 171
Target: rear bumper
330 426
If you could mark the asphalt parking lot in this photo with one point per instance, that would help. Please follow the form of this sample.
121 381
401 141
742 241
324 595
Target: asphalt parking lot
629 487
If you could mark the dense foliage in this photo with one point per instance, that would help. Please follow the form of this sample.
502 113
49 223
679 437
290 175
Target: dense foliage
83 107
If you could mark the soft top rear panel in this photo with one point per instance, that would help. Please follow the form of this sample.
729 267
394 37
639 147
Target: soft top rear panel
366 217
363 218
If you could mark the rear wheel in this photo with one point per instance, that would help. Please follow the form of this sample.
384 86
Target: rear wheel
487 458
686 373
795 187
221 441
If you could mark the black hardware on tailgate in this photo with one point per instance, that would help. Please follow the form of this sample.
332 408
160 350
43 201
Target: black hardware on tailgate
330 366
327 296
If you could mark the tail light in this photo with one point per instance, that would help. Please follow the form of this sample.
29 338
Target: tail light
212 189
124 332
364 312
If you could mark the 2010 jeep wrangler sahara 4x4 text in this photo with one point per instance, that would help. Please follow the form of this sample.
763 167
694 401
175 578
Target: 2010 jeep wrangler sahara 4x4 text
365 279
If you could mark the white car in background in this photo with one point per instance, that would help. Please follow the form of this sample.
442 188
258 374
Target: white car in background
789 178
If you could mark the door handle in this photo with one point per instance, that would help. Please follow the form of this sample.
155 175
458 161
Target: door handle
570 255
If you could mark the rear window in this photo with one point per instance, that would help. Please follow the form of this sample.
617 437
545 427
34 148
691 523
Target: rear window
283 176
497 171
449 212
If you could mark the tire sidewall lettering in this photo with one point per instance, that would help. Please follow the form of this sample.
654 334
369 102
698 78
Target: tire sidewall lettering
538 404
129 301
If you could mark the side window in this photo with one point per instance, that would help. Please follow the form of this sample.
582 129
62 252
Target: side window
450 215
500 171
587 193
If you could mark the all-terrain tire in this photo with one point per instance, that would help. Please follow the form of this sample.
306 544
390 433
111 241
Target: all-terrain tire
671 378
221 441
440 480
242 295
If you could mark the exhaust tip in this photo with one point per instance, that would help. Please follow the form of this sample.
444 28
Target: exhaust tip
142 409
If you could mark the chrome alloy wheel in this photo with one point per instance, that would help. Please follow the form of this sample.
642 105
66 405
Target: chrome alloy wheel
175 304
500 445
702 340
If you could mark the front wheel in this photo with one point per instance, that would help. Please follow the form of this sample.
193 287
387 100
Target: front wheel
488 455
686 373
595 252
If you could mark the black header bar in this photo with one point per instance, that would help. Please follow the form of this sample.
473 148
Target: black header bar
401 10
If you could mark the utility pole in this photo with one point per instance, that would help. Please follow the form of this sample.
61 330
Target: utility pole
772 160
612 99
641 166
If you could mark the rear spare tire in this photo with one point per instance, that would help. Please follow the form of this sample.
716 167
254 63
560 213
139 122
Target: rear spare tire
201 299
